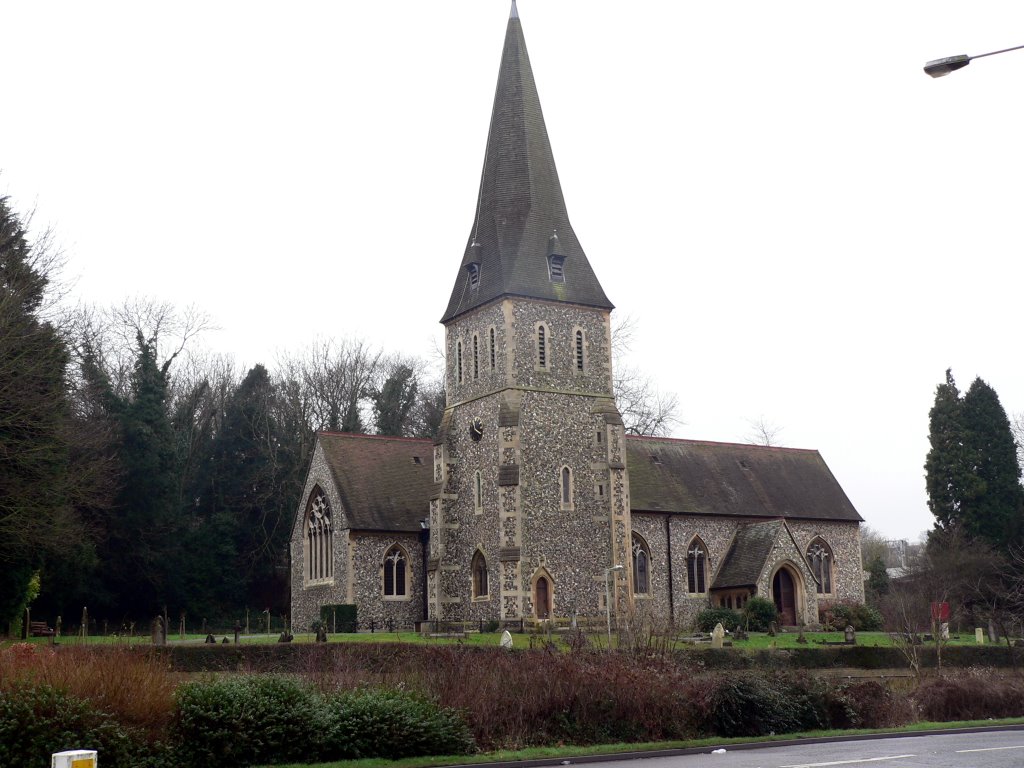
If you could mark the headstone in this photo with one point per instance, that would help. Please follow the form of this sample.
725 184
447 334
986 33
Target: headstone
225 641
944 630
979 636
210 639
506 640
158 636
238 628
321 634
718 636
850 636
773 629
800 638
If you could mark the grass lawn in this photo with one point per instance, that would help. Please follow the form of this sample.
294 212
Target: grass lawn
566 753
755 641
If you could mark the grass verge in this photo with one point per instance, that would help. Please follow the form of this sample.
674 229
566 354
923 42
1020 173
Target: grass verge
565 753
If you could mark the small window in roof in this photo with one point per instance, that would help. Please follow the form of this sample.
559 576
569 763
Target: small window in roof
556 268
474 275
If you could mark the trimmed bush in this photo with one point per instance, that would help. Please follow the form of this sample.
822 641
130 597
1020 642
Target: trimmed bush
339 618
709 617
863 618
758 613
970 696
37 720
389 723
240 720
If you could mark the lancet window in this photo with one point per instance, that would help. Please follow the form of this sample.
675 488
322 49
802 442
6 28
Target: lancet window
319 544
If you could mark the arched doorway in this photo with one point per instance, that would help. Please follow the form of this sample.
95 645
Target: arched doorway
785 597
542 598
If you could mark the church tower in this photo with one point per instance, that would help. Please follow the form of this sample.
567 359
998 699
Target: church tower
531 500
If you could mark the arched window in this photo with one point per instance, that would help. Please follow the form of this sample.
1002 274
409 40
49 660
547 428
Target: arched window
542 346
476 357
580 362
395 573
565 488
319 542
458 361
641 566
819 558
491 348
479 569
478 493
697 568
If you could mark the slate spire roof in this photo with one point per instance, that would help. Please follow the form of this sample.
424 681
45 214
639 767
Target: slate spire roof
520 214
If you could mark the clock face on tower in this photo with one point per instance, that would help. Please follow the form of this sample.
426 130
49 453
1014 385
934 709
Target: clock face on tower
476 428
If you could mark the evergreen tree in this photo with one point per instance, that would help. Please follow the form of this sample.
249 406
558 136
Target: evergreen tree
947 469
972 475
993 510
35 517
393 403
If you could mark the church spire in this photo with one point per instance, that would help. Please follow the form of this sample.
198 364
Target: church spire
520 205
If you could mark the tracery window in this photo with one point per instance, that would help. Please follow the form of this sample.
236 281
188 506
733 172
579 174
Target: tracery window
641 566
479 570
319 537
819 558
697 567
395 572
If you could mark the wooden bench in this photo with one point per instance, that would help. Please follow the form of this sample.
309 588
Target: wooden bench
39 629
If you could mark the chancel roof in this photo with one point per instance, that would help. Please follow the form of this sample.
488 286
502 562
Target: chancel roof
383 483
732 479
520 217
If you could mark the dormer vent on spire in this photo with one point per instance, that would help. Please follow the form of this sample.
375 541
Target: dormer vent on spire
520 205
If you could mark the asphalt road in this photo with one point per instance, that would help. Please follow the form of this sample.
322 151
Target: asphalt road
992 749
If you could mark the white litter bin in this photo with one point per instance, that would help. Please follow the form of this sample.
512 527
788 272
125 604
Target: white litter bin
74 758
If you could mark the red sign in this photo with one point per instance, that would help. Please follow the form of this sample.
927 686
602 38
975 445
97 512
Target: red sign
940 611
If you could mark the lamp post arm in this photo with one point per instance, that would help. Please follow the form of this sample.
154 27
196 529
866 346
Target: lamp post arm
942 67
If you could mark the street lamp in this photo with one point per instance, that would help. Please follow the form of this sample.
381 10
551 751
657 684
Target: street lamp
942 67
608 601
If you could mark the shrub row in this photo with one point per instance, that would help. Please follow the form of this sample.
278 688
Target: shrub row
270 719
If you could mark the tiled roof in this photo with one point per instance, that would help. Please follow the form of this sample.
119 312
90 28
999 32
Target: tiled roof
520 205
746 557
381 484
731 479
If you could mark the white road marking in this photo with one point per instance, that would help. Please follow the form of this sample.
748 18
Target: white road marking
987 749
847 762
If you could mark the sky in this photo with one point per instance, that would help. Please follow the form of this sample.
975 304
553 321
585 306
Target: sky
803 226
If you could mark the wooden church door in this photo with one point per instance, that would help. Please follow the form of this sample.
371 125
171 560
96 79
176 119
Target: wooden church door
784 592
543 604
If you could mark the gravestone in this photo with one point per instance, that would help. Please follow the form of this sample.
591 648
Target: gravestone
210 639
158 636
979 636
506 640
850 635
718 636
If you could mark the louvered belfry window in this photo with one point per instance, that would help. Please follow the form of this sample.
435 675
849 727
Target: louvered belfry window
556 268
579 350
476 356
474 275
492 349
458 360
542 347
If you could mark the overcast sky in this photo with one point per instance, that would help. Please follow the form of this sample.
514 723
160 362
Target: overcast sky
803 225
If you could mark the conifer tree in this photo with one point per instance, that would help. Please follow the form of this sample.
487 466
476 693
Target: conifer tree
35 517
993 510
947 470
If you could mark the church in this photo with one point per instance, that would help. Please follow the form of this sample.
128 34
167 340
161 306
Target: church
532 503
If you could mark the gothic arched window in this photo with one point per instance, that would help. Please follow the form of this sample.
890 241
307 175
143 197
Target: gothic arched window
395 572
697 567
319 543
641 566
479 570
819 558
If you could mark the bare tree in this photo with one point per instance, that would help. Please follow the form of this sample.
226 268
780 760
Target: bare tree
645 409
763 432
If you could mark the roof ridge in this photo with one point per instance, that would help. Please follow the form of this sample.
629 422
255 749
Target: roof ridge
361 435
693 441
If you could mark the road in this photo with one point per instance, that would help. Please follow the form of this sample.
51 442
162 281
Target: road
992 749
